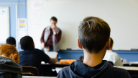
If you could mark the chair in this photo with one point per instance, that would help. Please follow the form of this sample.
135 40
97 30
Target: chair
29 71
126 65
134 65
27 74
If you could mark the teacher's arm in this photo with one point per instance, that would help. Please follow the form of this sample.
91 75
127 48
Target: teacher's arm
42 38
58 36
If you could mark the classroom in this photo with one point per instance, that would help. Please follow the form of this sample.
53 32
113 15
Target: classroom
69 38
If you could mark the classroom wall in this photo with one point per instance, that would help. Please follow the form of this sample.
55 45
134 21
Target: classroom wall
65 54
18 9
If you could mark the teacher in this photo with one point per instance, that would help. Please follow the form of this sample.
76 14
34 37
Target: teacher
51 36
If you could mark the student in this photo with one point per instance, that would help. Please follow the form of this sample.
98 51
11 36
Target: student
81 58
9 59
112 56
31 56
94 34
11 41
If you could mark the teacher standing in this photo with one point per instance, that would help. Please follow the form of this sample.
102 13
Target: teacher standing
51 36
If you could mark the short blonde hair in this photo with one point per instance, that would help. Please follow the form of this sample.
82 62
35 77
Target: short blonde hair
7 50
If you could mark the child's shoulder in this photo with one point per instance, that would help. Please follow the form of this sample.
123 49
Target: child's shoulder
121 72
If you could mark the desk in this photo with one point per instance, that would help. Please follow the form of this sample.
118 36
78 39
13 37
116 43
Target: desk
134 64
128 68
133 71
37 77
50 69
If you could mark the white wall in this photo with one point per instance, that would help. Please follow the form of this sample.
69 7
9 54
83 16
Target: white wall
122 16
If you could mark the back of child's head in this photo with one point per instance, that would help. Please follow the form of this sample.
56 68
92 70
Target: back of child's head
26 42
93 34
7 50
11 41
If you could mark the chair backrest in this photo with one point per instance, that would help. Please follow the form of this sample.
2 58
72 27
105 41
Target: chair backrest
29 71
134 65
27 74
126 65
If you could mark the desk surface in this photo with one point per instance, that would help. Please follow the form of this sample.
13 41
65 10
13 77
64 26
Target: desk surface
57 63
135 62
37 77
127 67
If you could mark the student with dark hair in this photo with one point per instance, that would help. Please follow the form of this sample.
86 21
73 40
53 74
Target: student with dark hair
94 34
51 36
9 59
11 41
112 56
31 56
81 58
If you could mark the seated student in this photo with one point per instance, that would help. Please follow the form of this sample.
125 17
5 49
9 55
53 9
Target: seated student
94 39
11 41
112 56
9 59
31 56
81 58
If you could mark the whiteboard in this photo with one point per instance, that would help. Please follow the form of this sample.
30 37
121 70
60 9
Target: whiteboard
4 24
121 15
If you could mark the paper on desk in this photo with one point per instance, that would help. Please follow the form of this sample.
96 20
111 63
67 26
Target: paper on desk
52 54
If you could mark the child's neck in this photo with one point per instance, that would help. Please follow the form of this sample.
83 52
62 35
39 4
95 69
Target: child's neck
93 59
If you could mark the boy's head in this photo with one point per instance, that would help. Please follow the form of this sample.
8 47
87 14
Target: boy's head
94 33
111 43
26 42
9 51
11 41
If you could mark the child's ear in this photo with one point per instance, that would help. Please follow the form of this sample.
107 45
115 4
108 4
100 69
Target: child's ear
79 45
108 44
